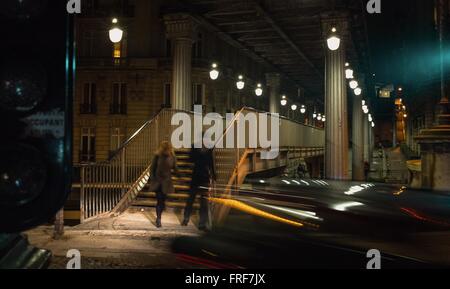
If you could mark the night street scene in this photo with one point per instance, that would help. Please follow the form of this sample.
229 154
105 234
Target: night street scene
225 134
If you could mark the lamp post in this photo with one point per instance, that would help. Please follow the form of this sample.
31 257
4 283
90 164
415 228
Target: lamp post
333 40
348 71
259 90
294 109
240 84
214 73
115 33
353 84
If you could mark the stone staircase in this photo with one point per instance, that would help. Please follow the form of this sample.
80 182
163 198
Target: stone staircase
181 181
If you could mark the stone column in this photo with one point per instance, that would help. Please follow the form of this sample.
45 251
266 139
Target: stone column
336 126
273 82
357 139
182 30
366 138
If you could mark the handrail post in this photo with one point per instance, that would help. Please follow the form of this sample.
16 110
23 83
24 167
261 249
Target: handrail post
82 192
123 170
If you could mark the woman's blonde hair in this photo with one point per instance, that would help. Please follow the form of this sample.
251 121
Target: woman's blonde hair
166 148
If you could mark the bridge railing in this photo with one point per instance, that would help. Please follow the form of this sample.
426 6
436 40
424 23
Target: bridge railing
103 185
112 184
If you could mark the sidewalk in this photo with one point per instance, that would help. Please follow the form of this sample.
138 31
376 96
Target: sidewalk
128 241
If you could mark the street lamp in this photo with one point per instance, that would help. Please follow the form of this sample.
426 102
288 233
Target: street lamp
303 109
240 84
358 91
214 73
353 84
348 71
370 118
115 34
319 117
258 90
333 41
294 107
324 119
283 100
373 124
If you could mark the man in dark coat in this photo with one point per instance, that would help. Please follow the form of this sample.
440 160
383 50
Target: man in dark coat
202 175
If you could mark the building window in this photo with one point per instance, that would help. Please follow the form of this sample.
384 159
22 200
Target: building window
167 95
87 153
197 48
198 94
88 44
117 138
119 99
117 50
88 100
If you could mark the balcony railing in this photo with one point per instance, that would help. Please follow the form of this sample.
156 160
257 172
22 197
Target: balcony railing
118 109
88 108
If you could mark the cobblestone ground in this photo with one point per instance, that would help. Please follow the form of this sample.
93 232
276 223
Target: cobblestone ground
129 241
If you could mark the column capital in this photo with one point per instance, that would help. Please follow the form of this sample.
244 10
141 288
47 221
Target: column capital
180 26
273 79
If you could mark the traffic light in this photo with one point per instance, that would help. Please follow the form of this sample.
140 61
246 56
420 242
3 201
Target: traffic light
36 84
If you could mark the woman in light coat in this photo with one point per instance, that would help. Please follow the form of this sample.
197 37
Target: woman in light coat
163 164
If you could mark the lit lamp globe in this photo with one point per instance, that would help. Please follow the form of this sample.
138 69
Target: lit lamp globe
115 34
258 90
314 115
358 91
349 73
303 109
240 84
294 107
333 41
319 117
214 73
370 118
283 102
324 119
363 102
353 84
373 124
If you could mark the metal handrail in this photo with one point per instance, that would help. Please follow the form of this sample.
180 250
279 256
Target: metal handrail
110 186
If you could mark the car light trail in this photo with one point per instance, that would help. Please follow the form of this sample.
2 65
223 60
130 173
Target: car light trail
253 211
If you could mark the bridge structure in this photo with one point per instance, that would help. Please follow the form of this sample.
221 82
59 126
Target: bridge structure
113 186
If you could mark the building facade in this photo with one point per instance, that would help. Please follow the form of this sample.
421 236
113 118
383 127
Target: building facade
120 86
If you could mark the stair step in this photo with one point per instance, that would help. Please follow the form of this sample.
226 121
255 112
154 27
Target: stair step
182 187
182 179
184 164
152 203
185 157
185 171
152 195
